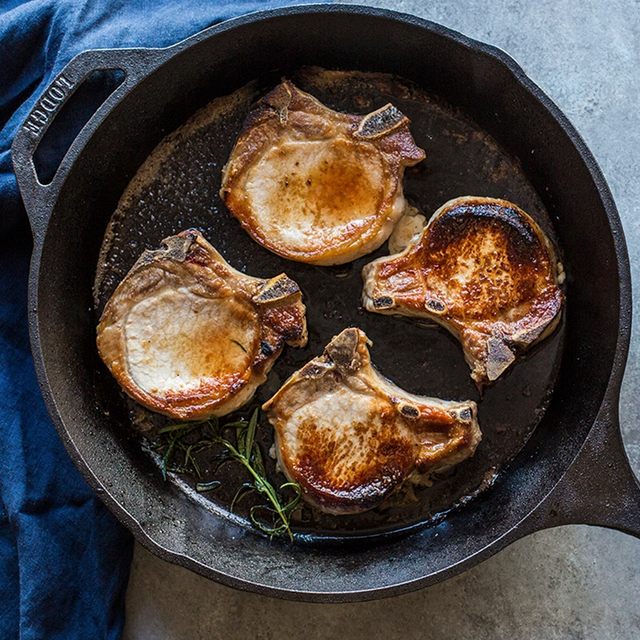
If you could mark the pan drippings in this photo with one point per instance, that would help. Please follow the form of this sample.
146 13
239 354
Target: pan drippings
177 188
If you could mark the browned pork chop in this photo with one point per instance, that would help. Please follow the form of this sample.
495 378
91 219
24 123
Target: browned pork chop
484 270
315 185
188 336
350 437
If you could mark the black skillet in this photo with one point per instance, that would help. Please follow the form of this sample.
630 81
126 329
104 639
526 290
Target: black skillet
552 452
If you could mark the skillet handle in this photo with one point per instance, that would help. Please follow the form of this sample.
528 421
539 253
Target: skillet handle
38 198
599 488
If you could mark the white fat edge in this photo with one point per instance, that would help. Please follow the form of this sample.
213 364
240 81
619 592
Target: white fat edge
376 382
241 397
420 479
407 230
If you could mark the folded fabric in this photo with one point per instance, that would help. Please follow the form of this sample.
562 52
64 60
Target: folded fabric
64 559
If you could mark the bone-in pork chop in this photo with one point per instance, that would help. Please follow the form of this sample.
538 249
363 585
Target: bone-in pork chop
188 336
350 437
315 185
484 270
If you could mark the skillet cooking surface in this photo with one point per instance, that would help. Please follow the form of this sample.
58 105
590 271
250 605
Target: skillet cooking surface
177 188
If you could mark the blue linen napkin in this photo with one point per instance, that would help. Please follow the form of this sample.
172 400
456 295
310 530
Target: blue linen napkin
64 559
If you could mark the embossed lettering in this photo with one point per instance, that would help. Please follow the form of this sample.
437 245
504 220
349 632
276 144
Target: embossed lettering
39 116
49 104
56 94
32 127
63 83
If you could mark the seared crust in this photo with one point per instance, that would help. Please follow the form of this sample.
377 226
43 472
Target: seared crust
350 437
188 336
315 185
484 270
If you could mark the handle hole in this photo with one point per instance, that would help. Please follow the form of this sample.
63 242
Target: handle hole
68 122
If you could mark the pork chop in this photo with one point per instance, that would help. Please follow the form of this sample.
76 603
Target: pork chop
350 437
484 270
188 336
315 185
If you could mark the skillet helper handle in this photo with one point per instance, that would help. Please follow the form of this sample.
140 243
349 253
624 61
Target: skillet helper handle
599 488
38 198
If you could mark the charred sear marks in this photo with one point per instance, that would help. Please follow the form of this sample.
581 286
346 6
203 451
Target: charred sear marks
480 233
325 463
351 438
484 270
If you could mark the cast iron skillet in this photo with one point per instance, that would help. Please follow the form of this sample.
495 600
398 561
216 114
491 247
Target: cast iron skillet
572 469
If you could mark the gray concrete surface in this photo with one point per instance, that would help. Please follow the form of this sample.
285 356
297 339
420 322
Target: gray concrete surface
574 582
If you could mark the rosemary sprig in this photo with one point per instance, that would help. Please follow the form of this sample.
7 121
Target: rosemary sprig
245 451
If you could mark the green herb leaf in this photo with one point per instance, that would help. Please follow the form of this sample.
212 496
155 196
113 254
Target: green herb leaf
256 459
202 487
273 518
251 435
244 489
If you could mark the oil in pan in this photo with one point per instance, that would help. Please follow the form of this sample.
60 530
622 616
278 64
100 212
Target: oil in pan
177 188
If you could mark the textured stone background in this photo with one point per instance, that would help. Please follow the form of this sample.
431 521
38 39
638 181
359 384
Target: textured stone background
569 583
